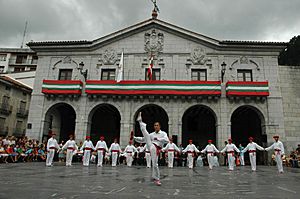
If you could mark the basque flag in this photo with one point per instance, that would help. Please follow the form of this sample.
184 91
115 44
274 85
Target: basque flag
149 72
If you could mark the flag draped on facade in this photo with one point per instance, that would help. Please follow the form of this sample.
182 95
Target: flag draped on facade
120 69
149 72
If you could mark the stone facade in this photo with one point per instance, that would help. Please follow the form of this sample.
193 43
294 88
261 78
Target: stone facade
177 52
290 86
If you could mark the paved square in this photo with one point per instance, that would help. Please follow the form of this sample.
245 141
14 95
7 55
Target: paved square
34 180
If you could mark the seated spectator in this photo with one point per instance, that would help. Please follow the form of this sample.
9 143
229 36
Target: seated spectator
41 153
3 154
294 160
21 151
298 149
28 153
12 155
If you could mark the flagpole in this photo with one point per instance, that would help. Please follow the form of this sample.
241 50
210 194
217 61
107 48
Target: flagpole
123 65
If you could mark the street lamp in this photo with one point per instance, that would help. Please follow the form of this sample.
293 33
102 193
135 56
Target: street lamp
83 73
223 70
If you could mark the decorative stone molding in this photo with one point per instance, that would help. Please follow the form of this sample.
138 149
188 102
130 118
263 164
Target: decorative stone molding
154 42
67 60
244 60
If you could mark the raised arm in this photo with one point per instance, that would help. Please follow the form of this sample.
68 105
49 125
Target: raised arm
259 147
140 139
270 147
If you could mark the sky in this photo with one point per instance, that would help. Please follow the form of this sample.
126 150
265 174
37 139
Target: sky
52 20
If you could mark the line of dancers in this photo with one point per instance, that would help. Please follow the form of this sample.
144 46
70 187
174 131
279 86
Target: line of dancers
154 145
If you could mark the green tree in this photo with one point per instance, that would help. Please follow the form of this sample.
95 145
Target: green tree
291 54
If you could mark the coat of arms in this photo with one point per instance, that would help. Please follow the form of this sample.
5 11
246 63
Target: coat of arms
154 42
198 56
110 56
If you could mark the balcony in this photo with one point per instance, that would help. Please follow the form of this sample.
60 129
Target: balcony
22 113
175 88
251 89
62 87
5 109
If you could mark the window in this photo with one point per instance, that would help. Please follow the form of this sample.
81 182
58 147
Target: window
34 59
5 100
21 59
22 105
32 68
108 74
65 74
244 75
2 57
19 69
1 69
199 74
2 122
155 74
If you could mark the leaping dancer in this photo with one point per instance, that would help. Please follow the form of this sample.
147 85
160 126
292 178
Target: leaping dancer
154 142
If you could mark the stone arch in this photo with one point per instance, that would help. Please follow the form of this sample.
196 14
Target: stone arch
246 121
152 113
61 119
199 123
104 120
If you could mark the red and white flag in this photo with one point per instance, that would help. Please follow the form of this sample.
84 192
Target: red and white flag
149 72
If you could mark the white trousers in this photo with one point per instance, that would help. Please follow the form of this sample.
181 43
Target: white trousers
190 160
153 151
114 158
211 161
252 157
69 157
100 157
170 159
148 159
50 156
231 160
129 159
86 157
278 162
242 160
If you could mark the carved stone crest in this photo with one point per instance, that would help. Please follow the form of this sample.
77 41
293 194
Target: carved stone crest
198 56
243 60
67 60
154 42
109 56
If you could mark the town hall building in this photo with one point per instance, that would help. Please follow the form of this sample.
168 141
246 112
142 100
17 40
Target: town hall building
201 88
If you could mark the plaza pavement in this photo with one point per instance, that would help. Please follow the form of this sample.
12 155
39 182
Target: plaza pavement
34 180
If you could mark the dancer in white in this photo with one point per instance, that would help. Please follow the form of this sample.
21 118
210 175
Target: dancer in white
190 150
147 156
251 148
129 151
230 148
210 149
101 148
88 147
52 145
114 150
71 147
154 143
279 152
171 148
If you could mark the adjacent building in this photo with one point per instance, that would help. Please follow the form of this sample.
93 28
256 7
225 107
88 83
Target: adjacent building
14 106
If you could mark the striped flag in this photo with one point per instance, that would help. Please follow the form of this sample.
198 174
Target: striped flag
149 72
120 69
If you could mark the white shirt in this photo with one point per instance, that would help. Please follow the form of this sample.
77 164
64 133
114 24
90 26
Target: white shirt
159 138
130 149
190 148
70 144
115 147
52 143
87 144
101 144
171 146
230 147
210 148
276 146
252 146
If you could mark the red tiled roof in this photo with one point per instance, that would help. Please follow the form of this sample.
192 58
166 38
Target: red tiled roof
16 83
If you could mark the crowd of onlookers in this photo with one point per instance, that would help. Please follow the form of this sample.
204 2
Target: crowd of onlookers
22 149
